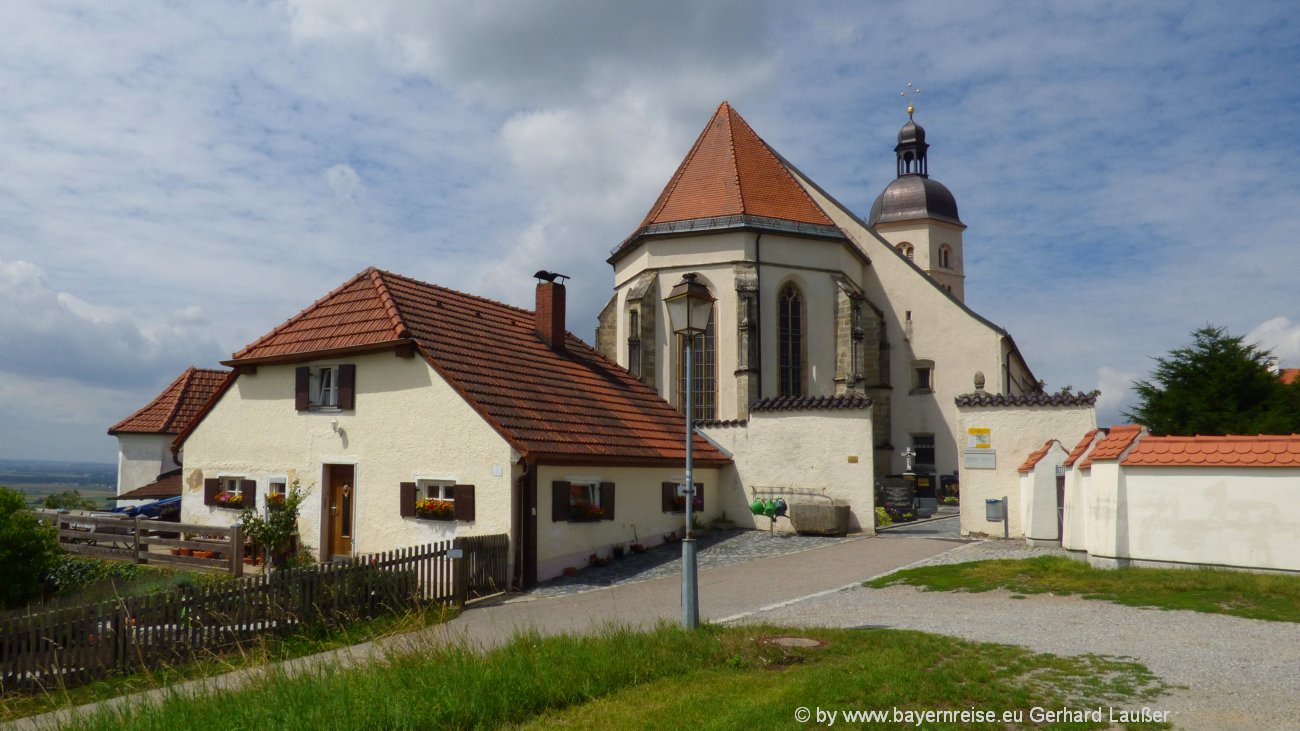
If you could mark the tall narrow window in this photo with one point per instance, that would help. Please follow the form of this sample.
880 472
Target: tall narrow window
790 341
704 374
634 343
945 256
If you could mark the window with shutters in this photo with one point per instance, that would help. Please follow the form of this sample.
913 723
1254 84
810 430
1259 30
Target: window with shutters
582 500
230 491
437 499
325 387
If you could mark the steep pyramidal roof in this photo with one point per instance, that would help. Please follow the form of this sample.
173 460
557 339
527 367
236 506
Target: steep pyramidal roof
173 409
731 177
731 171
574 404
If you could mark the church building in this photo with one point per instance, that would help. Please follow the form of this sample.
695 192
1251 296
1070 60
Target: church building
811 300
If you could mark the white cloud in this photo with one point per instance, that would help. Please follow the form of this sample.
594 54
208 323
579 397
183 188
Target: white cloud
1281 336
1116 396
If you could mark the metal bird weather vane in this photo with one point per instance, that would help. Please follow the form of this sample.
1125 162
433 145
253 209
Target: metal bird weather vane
913 91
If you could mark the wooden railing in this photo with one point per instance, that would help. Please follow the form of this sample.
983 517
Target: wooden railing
149 541
76 645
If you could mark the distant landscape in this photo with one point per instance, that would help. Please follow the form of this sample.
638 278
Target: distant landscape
38 478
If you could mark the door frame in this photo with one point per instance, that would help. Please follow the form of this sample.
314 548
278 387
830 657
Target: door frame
326 522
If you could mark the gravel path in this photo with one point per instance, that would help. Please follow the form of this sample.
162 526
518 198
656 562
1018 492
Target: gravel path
1231 673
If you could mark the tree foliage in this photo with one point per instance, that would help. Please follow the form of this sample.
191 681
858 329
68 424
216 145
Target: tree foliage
69 500
273 530
1218 385
28 550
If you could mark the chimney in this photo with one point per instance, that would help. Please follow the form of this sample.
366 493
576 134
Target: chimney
549 315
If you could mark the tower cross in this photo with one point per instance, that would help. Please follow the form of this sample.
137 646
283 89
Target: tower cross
910 90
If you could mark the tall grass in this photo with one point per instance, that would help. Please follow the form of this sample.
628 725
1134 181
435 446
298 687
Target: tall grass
1273 597
666 678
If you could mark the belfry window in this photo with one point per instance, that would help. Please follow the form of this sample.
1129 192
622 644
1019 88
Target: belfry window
790 341
704 373
906 250
945 256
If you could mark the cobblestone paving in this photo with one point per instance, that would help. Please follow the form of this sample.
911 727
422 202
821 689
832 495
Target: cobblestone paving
714 549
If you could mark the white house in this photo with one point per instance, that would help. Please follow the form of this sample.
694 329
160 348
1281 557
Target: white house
389 390
146 468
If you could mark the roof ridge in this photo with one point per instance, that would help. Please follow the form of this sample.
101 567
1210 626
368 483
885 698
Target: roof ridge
457 292
681 168
184 381
731 153
390 306
293 320
777 158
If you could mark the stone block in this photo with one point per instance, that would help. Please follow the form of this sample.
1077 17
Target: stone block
820 520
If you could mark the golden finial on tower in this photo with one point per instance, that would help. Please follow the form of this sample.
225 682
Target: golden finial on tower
910 90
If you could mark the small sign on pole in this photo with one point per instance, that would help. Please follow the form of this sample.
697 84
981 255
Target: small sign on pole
455 553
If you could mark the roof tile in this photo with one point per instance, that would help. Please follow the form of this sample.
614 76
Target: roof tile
1118 439
1081 447
570 404
811 403
173 409
1262 450
984 398
1037 455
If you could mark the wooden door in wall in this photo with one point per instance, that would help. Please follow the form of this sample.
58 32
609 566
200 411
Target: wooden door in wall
1060 508
341 493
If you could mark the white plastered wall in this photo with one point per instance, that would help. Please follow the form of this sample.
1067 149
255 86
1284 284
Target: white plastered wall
1211 516
941 330
141 458
638 512
1038 496
1014 433
408 423
926 236
824 456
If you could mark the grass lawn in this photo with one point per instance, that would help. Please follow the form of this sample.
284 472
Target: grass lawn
720 678
1273 597
266 650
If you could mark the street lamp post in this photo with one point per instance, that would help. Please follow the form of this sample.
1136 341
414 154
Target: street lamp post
689 306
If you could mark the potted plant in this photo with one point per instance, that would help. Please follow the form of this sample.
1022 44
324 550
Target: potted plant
585 512
274 532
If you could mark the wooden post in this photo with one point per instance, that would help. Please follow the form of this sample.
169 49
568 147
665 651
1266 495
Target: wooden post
237 551
139 543
459 574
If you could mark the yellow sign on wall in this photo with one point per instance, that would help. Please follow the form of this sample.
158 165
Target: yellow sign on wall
978 438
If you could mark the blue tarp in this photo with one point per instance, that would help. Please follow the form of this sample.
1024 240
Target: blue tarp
151 510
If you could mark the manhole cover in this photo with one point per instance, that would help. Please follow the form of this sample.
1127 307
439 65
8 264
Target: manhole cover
795 642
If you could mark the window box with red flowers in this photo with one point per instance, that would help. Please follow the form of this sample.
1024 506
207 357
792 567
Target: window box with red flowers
435 509
232 500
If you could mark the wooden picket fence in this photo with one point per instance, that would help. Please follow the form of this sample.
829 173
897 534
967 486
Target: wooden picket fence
77 645
139 540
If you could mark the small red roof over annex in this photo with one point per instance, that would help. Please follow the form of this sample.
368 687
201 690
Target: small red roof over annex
1118 439
171 411
1081 447
1261 450
1037 456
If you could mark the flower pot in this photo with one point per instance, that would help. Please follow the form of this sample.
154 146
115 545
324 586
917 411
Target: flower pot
638 548
185 551
204 554
570 570
176 551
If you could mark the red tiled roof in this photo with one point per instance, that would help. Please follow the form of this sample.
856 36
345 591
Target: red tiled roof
167 485
811 403
731 171
574 405
359 313
1289 375
1037 455
1118 438
1231 451
173 409
1081 447
984 398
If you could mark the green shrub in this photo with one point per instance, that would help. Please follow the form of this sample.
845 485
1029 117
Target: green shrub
882 518
27 550
73 573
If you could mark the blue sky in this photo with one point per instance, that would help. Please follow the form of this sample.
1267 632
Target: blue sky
178 178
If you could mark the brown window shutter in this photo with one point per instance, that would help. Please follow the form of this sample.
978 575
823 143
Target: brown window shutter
559 501
211 487
302 388
464 497
607 500
347 386
248 489
669 490
698 497
406 499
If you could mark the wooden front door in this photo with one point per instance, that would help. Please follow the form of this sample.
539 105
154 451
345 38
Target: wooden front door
1060 508
341 496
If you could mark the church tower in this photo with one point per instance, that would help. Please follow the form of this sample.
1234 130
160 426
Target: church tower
918 214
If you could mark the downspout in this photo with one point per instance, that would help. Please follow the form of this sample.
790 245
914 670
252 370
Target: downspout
758 310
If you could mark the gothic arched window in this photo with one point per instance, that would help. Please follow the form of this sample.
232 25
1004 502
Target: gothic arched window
789 339
704 373
906 250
